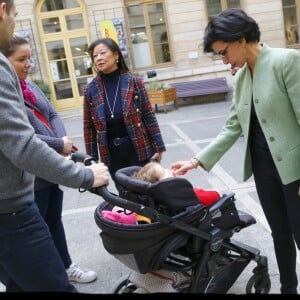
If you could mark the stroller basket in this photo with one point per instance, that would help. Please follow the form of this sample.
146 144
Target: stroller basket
132 243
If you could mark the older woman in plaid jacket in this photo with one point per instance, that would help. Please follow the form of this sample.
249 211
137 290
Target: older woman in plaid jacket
120 126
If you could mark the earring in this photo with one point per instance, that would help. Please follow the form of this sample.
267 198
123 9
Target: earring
117 60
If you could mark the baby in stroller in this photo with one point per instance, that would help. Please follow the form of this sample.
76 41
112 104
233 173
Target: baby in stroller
153 172
187 247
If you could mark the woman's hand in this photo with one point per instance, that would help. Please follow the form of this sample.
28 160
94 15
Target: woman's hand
157 157
182 167
68 144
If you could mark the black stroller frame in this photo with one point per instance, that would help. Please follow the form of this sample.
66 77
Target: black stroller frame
194 240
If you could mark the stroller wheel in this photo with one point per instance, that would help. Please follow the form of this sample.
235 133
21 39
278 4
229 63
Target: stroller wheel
259 283
125 286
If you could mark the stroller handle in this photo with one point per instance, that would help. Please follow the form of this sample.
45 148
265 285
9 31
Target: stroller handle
115 200
82 158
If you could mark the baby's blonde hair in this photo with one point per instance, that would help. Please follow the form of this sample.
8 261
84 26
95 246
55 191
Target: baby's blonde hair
148 173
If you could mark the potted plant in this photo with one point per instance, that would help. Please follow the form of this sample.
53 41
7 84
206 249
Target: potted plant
159 93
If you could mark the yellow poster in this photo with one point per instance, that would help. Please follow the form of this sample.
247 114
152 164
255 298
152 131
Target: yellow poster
107 29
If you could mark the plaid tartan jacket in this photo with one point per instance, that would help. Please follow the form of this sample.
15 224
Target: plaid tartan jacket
139 118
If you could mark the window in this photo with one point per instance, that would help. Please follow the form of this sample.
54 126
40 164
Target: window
148 31
216 6
51 5
291 21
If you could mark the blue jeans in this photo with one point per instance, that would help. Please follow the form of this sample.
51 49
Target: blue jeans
29 261
50 203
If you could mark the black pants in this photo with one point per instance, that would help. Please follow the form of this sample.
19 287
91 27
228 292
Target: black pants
50 203
281 205
122 156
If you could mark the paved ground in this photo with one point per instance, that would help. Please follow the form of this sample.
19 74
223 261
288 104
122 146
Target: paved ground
185 132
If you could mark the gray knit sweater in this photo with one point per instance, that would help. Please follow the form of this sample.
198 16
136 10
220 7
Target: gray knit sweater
23 154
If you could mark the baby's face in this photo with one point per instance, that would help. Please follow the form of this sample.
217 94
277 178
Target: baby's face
164 173
168 173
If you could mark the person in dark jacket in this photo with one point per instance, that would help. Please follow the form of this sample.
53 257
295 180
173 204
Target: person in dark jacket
50 129
120 126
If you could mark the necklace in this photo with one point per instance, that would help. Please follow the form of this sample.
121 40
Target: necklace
114 103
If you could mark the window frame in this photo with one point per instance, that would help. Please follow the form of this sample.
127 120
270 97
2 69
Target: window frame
294 25
224 5
149 32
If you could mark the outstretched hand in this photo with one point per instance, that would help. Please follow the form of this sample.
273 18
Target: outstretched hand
181 167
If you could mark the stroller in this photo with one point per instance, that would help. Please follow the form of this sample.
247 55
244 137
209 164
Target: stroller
187 247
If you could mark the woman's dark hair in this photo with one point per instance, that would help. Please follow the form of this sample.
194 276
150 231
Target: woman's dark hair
14 43
230 25
113 46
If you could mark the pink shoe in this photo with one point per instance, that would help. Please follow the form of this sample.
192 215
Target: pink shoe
119 217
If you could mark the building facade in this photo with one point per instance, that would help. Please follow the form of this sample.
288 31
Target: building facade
160 35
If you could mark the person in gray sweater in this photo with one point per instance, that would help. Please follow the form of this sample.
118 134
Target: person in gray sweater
49 127
29 260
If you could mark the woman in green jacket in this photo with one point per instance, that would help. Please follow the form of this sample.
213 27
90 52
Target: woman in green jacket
266 110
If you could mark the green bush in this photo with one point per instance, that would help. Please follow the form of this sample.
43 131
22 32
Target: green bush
155 86
44 87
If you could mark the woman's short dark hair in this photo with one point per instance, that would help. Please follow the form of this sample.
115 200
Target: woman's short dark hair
114 47
230 25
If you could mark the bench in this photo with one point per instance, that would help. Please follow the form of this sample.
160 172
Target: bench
202 87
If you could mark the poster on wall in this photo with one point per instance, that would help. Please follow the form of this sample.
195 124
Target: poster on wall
26 35
108 30
114 29
54 71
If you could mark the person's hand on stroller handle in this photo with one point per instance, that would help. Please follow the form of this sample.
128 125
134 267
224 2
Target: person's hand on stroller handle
101 174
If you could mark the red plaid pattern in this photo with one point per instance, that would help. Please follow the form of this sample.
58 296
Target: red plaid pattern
139 118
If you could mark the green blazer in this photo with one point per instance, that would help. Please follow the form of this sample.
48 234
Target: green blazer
275 90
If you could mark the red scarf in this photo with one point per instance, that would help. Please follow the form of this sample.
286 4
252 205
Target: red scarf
30 97
27 93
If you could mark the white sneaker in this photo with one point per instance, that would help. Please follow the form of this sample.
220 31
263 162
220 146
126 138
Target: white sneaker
79 274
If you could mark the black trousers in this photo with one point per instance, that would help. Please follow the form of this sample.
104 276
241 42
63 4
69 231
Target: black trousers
281 206
122 156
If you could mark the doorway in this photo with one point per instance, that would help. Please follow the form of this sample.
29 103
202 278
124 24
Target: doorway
65 39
